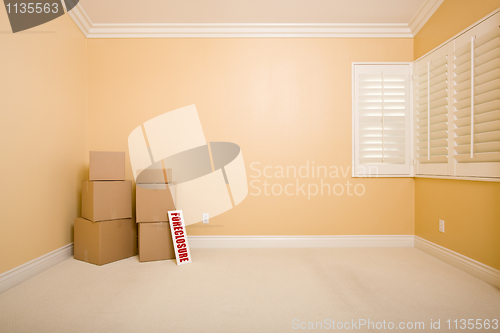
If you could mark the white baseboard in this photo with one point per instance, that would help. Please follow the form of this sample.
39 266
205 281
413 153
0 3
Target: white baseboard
300 241
22 273
471 266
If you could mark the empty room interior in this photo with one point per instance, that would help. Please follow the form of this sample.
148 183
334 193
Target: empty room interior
250 166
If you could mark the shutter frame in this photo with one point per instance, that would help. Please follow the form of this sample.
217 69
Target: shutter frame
394 120
476 144
431 111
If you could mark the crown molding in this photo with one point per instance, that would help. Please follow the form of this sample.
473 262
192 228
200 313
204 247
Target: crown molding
228 30
248 30
423 15
253 30
81 19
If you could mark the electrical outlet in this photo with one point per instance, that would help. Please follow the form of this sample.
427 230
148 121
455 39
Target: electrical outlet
205 217
441 225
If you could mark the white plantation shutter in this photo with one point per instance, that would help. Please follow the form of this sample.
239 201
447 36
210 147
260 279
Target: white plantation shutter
381 120
476 102
431 114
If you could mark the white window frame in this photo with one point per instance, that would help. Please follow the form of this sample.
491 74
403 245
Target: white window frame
367 168
464 171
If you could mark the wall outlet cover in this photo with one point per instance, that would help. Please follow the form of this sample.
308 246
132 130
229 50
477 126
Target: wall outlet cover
441 225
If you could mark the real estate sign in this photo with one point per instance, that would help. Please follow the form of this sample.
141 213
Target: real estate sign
179 237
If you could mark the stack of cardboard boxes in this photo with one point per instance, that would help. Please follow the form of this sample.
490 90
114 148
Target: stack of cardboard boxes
106 231
155 196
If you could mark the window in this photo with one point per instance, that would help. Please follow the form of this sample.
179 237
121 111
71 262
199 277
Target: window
430 114
453 123
381 126
476 101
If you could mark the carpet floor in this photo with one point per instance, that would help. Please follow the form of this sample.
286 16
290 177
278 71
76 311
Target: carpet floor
255 290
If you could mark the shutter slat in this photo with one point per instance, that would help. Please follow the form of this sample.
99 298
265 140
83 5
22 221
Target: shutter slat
462 113
482 59
434 144
491 126
479 138
421 93
463 51
462 68
443 118
487 87
433 159
442 62
486 77
439 78
439 111
459 123
462 104
487 117
463 95
422 79
464 85
462 77
443 85
437 95
485 147
478 158
490 96
434 151
387 140
487 38
434 136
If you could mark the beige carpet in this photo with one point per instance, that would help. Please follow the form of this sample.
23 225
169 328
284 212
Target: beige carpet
250 290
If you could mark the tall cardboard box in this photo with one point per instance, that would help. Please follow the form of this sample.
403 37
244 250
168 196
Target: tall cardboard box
100 243
106 200
107 165
153 201
155 242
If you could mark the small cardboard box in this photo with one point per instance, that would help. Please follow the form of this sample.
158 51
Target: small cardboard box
107 165
154 176
155 242
106 200
104 242
153 201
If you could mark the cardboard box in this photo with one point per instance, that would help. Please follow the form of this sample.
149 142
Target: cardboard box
107 165
154 176
104 242
155 242
153 201
106 200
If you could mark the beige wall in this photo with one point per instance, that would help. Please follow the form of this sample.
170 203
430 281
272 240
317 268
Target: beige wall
471 212
284 101
42 135
470 209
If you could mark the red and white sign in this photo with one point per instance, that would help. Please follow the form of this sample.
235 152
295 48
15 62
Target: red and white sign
179 237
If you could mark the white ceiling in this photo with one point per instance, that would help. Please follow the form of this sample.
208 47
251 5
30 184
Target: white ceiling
252 11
